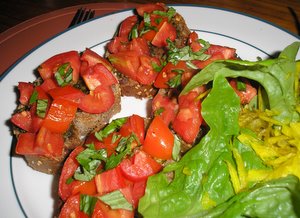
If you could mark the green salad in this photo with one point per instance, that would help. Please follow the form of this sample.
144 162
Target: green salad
248 164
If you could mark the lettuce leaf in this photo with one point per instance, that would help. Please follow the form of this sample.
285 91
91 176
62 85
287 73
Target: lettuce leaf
201 177
276 76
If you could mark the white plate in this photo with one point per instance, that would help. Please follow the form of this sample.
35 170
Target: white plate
27 193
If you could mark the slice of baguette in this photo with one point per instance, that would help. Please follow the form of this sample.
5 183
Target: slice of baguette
130 87
82 125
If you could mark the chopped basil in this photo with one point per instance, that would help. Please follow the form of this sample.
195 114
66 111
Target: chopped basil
185 53
64 74
110 128
33 97
176 149
240 85
156 67
116 200
159 111
134 32
89 160
170 13
41 107
123 149
87 204
176 80
69 180
147 25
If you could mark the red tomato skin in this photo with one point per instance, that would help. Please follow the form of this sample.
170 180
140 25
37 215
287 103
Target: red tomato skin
140 46
126 26
169 106
146 75
118 44
70 165
50 66
159 140
126 62
134 124
102 210
140 167
98 75
26 90
22 120
48 84
71 208
25 144
60 115
150 7
92 58
109 181
166 31
98 101
49 143
247 95
66 93
188 120
138 191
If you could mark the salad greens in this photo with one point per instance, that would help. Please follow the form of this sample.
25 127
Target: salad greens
232 171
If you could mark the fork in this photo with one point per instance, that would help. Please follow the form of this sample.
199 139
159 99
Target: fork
81 15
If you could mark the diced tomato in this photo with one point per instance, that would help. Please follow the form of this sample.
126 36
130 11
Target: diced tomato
37 121
104 211
48 68
98 101
22 120
42 95
65 189
48 84
245 95
166 31
98 75
26 90
60 115
150 7
217 52
109 181
49 143
139 45
159 140
25 144
170 71
93 58
118 44
138 191
67 92
188 120
71 208
134 124
127 25
146 73
84 187
140 167
126 62
167 105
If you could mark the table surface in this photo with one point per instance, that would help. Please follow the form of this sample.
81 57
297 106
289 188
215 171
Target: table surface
22 19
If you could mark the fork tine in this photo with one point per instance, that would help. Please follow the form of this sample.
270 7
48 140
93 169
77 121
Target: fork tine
82 15
86 15
76 17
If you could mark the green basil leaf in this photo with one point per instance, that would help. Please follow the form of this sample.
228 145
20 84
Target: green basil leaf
116 200
110 128
41 107
33 97
87 204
